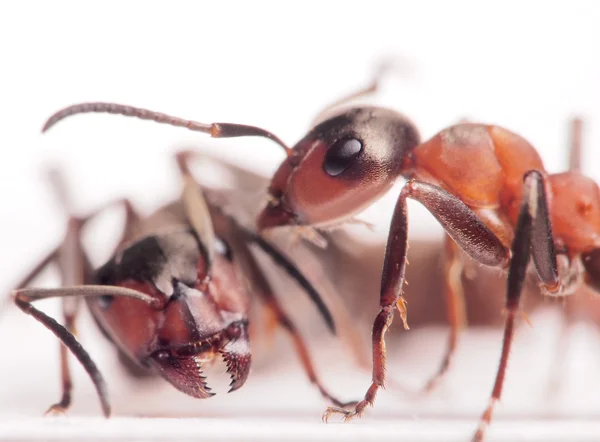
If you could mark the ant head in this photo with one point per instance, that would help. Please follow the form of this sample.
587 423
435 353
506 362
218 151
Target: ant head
204 316
339 168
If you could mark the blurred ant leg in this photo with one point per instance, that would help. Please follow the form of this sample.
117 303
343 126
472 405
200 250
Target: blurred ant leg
575 147
455 307
462 225
196 207
381 70
75 270
215 130
23 298
132 219
70 309
261 286
557 368
286 265
562 346
533 237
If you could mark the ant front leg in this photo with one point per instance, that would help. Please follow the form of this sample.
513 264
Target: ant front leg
533 236
462 225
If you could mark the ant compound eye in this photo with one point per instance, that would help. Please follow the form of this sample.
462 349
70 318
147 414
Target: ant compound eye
341 155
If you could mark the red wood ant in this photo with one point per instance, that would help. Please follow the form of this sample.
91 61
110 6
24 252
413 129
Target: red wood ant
172 298
486 185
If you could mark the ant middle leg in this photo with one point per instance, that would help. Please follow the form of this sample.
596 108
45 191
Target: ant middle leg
455 308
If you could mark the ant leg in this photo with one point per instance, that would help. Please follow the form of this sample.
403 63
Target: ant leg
575 148
196 207
70 342
455 308
293 272
381 70
70 309
474 238
23 298
259 285
532 236
75 270
462 225
561 353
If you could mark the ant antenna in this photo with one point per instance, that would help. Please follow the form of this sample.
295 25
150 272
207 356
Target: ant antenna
215 130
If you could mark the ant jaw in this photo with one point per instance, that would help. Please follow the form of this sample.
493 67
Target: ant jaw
184 369
237 357
184 373
275 215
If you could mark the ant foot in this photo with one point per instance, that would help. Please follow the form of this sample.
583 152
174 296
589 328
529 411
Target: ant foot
56 410
348 415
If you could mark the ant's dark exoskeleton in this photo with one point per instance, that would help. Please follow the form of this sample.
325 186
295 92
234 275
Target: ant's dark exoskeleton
174 296
486 186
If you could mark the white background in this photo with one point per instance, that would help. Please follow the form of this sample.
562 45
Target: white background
528 66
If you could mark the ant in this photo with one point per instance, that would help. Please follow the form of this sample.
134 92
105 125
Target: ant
486 186
174 296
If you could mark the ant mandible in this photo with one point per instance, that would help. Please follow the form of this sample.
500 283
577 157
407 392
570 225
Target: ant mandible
485 185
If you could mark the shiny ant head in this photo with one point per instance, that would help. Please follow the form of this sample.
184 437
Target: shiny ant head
204 315
339 168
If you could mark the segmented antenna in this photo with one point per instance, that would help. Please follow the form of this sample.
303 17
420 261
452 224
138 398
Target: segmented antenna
215 130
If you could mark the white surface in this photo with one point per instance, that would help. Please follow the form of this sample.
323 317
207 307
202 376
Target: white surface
245 429
527 66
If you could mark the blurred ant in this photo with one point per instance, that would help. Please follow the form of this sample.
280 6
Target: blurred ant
173 297
486 186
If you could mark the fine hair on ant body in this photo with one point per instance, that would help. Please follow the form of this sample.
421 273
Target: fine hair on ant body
486 186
